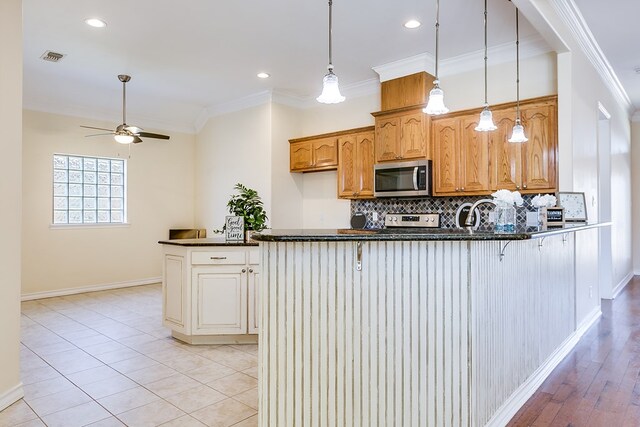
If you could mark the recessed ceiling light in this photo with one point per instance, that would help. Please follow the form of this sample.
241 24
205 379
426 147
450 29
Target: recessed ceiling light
264 75
95 22
412 24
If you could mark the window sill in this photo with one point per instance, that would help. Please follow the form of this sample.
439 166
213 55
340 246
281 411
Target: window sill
86 226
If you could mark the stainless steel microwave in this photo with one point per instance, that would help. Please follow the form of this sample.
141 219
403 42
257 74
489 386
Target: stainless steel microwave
403 179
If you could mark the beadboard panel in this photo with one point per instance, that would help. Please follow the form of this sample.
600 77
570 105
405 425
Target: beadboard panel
387 345
427 333
523 310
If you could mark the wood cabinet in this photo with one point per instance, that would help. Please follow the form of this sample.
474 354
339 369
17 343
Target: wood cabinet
355 164
468 162
313 154
405 91
461 157
210 294
401 135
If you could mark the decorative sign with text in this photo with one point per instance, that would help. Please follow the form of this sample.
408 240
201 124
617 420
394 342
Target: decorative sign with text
234 229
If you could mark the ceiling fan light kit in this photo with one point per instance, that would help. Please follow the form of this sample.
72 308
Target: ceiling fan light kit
486 117
435 105
125 134
330 90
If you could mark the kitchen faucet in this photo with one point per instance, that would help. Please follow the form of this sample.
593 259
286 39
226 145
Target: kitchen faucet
471 215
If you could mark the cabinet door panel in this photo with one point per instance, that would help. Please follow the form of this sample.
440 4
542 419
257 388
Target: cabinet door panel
347 185
474 157
387 138
445 156
506 156
221 297
175 292
325 152
539 153
364 166
254 300
300 156
412 137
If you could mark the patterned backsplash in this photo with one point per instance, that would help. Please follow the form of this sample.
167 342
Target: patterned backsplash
445 206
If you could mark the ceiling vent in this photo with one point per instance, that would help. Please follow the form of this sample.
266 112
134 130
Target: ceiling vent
52 56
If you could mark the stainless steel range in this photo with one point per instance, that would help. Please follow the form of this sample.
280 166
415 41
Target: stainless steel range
409 220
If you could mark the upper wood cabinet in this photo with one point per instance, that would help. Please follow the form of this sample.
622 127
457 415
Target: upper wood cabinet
461 157
407 91
401 135
355 164
312 154
468 162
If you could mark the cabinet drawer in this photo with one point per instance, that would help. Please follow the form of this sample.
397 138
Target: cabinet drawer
218 258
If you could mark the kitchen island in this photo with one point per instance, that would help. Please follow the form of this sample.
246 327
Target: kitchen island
411 328
210 290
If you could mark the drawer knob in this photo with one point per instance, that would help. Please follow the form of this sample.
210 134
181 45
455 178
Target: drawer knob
218 257
251 270
244 270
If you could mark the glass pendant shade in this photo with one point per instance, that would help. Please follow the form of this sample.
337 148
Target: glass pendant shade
486 121
436 106
517 135
330 90
124 138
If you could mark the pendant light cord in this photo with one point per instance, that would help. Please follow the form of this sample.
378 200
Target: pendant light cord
330 31
485 54
517 67
437 36
124 102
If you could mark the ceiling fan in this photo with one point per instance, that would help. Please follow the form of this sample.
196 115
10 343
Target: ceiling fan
124 133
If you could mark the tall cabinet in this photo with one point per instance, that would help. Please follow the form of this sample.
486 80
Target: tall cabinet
355 164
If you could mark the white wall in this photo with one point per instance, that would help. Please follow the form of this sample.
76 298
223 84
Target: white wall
160 187
635 159
581 90
232 148
11 190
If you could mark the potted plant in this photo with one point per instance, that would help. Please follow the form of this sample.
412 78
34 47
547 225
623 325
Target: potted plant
248 204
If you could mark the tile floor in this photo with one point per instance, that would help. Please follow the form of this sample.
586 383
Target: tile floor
104 359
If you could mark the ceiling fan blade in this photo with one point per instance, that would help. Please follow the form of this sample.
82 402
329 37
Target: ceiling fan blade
153 135
92 127
136 139
99 134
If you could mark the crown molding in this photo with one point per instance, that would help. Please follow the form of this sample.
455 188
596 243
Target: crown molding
243 103
109 116
572 17
503 53
636 116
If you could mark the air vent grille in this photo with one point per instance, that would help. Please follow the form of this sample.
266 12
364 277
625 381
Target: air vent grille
52 56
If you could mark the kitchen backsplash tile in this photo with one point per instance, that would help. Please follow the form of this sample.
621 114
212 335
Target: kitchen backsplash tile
445 206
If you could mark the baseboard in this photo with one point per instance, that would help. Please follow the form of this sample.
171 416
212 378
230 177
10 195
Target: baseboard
11 396
511 406
620 286
92 288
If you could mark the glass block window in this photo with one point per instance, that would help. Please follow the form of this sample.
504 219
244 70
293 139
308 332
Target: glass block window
89 190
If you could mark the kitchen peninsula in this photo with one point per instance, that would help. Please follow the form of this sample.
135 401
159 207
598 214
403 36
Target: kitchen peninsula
441 328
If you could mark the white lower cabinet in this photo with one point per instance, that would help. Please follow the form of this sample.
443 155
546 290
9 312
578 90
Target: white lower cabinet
210 294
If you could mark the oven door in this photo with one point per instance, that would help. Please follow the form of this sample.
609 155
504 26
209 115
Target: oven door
403 179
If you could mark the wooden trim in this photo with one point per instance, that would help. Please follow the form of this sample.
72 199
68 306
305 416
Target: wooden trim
332 134
399 110
551 99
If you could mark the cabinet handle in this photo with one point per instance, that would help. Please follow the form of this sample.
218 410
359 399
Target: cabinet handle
457 189
524 186
462 189
244 270
251 270
218 257
517 187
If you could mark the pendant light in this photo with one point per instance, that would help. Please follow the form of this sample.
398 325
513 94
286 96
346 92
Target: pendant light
517 135
435 105
486 118
330 90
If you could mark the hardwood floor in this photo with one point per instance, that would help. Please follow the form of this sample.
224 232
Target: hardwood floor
598 383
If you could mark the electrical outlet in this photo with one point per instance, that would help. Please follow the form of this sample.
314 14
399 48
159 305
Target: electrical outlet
492 217
375 216
590 291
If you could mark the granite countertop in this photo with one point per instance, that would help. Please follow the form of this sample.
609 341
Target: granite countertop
522 233
210 241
